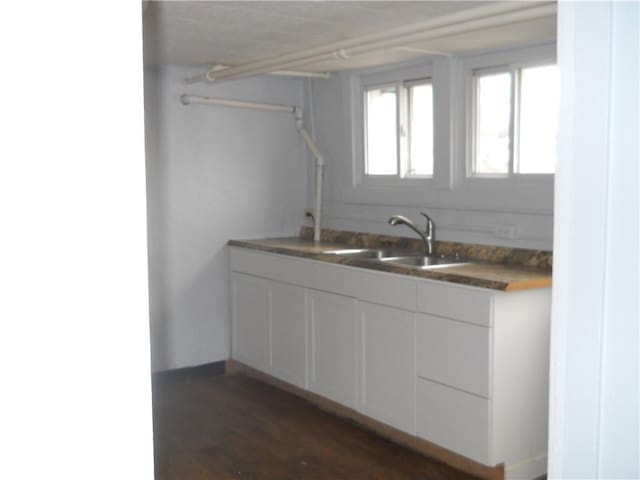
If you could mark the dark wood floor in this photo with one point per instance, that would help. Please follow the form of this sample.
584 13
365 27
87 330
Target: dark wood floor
233 427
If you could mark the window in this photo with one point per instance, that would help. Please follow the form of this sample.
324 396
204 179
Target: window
515 121
399 129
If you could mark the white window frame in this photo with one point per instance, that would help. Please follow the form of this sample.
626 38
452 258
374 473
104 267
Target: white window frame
398 124
406 76
405 160
513 68
403 126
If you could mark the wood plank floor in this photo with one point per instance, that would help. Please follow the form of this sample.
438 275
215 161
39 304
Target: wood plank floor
234 427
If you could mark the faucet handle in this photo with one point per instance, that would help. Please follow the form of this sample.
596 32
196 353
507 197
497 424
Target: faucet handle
429 223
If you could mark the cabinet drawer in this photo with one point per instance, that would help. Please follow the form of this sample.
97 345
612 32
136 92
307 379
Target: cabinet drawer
386 289
459 303
453 353
453 419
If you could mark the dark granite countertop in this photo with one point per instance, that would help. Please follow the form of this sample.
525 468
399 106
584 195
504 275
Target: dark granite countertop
498 268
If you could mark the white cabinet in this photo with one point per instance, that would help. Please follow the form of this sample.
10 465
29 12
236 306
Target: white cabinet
287 333
268 327
462 367
333 344
387 390
482 366
250 320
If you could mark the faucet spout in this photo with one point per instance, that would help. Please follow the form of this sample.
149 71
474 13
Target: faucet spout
427 237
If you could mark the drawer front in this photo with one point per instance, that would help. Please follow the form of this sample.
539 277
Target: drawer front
459 303
386 289
281 268
453 419
453 353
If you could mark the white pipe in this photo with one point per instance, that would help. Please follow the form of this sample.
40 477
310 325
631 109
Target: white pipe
310 144
319 175
189 99
460 22
308 140
280 73
448 30
296 73
317 205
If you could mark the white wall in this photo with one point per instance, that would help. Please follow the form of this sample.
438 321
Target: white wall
74 319
466 211
594 429
214 173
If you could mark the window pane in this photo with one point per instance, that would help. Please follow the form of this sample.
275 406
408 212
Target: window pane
421 130
382 144
493 118
539 99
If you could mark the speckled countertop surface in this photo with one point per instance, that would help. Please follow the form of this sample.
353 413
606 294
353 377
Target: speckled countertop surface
497 268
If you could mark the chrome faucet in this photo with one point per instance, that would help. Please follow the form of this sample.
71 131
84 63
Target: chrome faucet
427 236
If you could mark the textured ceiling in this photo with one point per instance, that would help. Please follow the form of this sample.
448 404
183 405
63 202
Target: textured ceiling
236 32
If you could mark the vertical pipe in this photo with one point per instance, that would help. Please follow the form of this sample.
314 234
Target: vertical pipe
318 201
319 173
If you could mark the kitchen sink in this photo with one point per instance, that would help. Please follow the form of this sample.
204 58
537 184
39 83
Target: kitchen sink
424 262
370 253
393 257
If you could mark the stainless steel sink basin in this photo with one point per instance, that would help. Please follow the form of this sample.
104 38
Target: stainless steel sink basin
394 257
424 262
370 253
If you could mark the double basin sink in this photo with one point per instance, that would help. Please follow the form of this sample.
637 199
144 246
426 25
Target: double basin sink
393 257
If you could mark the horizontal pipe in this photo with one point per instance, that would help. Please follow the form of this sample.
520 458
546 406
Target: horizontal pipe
273 107
467 27
460 22
202 77
296 73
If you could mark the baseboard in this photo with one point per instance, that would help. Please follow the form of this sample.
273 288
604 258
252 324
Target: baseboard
535 468
411 442
189 373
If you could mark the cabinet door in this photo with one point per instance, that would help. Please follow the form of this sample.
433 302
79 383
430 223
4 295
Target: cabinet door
288 333
388 376
333 357
250 320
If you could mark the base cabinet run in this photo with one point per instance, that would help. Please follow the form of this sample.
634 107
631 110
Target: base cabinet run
464 368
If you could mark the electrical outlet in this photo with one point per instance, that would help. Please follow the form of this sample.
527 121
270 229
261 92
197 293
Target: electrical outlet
506 231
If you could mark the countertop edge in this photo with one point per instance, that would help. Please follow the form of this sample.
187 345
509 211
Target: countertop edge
438 274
